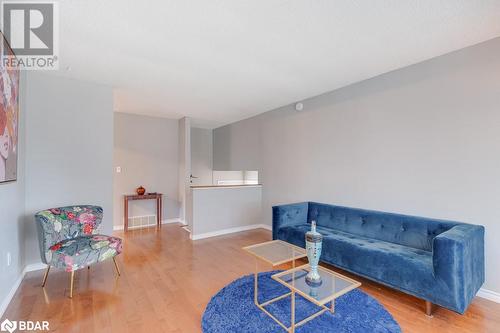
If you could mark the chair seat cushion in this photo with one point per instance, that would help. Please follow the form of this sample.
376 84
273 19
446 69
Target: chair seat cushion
76 253
408 268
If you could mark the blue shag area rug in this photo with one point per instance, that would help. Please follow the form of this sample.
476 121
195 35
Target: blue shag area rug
232 310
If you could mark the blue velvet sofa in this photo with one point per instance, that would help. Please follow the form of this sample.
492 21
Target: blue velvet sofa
439 261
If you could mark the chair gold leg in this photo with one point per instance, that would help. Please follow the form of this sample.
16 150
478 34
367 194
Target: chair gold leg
72 278
45 276
116 266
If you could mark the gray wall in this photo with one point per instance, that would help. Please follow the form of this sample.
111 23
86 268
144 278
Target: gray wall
147 150
423 140
238 146
201 156
12 215
69 149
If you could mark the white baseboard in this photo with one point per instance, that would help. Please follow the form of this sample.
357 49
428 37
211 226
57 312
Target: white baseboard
34 267
166 221
229 231
265 226
489 295
176 220
28 268
10 295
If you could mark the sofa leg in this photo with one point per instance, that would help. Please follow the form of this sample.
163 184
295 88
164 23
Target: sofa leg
428 308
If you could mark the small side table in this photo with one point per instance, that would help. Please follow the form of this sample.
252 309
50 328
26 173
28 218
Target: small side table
150 196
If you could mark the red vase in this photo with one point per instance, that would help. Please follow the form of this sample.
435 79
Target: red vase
140 190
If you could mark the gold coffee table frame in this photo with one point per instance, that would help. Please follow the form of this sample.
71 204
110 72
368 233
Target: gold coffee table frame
329 297
275 253
278 252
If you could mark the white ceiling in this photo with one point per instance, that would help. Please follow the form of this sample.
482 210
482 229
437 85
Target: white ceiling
219 61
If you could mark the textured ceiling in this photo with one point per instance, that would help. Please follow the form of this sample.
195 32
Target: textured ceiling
224 60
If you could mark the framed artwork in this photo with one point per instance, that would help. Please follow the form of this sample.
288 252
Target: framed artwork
9 114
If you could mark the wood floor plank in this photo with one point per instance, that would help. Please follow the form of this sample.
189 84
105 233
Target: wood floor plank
167 281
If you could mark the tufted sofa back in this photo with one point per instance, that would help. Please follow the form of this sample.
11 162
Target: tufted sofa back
412 231
57 224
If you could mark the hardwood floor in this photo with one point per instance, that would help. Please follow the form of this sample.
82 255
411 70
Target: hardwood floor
167 280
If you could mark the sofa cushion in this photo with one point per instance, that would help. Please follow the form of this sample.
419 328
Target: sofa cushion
398 266
411 231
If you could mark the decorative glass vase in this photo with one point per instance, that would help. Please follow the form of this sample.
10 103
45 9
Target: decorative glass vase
314 242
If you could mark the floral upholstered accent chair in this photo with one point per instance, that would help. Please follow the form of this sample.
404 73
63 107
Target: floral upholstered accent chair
68 239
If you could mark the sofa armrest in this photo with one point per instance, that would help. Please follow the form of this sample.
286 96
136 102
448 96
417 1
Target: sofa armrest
287 215
458 260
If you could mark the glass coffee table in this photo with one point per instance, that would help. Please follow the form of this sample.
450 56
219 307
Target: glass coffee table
278 252
275 253
333 285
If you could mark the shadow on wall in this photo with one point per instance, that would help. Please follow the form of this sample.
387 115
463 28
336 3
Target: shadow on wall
32 249
21 236
171 208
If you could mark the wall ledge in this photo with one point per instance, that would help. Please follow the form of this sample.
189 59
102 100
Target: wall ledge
201 187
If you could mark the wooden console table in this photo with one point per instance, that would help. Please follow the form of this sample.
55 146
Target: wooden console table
155 196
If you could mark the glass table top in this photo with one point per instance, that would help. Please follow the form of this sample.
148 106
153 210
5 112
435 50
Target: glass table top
276 252
333 285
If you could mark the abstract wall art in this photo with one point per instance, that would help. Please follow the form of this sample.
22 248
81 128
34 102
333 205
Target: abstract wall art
9 114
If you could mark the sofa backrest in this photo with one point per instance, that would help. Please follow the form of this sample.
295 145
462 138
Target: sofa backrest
412 231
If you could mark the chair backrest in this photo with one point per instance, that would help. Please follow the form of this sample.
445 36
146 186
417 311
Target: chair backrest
57 224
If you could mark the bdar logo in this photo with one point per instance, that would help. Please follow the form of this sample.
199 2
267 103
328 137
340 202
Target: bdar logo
9 326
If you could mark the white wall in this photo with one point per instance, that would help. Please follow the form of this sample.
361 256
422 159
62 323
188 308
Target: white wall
423 140
147 150
69 149
12 215
201 156
218 209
